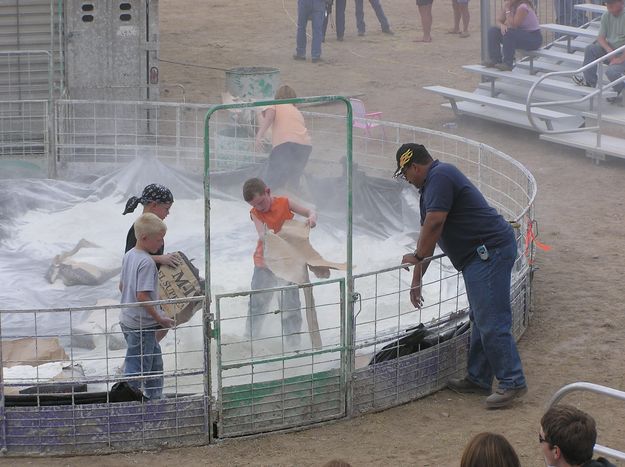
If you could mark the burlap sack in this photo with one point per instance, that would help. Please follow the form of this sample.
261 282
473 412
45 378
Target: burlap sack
32 351
183 281
288 254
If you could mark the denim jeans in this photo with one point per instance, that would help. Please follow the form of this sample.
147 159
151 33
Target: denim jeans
510 41
379 12
492 350
285 165
339 7
289 303
313 10
144 357
612 72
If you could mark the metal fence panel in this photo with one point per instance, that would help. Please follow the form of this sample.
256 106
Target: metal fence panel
274 379
75 413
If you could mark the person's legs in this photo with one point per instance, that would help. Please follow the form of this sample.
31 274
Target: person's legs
318 10
132 362
360 16
326 18
494 44
290 312
560 12
262 278
463 7
340 5
578 17
303 13
276 174
479 370
517 39
425 12
143 358
592 53
298 158
613 72
153 365
488 289
379 12
456 11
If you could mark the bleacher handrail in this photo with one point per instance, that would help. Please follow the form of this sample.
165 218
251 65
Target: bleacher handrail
599 91
597 389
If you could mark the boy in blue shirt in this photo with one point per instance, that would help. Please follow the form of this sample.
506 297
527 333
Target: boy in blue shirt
139 283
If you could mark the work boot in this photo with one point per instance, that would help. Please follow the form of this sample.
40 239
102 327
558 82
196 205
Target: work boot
504 397
466 386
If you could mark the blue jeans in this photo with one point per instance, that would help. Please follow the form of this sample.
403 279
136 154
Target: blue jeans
144 357
285 165
339 6
492 350
612 72
289 303
313 10
379 12
510 41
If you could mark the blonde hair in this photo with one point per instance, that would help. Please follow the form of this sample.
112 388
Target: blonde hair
148 224
489 450
285 92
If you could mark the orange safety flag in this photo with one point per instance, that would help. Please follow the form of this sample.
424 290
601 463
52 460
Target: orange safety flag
530 237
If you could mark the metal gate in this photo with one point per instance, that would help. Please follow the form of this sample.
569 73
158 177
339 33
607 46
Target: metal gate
27 26
274 379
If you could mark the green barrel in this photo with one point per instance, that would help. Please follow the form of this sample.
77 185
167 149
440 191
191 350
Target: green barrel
255 82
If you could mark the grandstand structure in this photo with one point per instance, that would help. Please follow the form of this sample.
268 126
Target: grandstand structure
539 93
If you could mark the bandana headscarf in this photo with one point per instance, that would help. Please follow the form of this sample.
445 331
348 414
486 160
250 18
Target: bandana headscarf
152 192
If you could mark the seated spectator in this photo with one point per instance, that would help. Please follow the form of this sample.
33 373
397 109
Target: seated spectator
489 450
610 38
517 28
567 438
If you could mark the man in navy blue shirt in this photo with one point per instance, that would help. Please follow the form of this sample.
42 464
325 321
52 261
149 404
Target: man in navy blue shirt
480 244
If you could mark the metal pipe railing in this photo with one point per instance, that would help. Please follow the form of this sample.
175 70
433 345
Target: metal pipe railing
598 92
597 389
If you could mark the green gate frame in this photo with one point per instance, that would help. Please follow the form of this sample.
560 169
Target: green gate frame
211 325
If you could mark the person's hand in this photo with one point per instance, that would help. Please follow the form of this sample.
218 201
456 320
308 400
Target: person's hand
415 288
503 28
409 259
312 220
617 60
171 259
166 322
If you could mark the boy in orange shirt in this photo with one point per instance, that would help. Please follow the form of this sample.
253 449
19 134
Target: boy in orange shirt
270 212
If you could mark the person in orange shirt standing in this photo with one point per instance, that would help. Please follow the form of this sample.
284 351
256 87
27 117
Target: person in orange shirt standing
270 212
290 139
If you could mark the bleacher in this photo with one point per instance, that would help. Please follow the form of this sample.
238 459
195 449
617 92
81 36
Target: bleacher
553 105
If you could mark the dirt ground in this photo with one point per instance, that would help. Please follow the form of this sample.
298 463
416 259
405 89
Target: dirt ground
575 333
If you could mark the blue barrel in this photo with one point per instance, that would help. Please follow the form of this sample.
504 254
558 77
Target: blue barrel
254 82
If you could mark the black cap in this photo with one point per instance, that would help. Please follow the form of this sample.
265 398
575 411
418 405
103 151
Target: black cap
406 155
